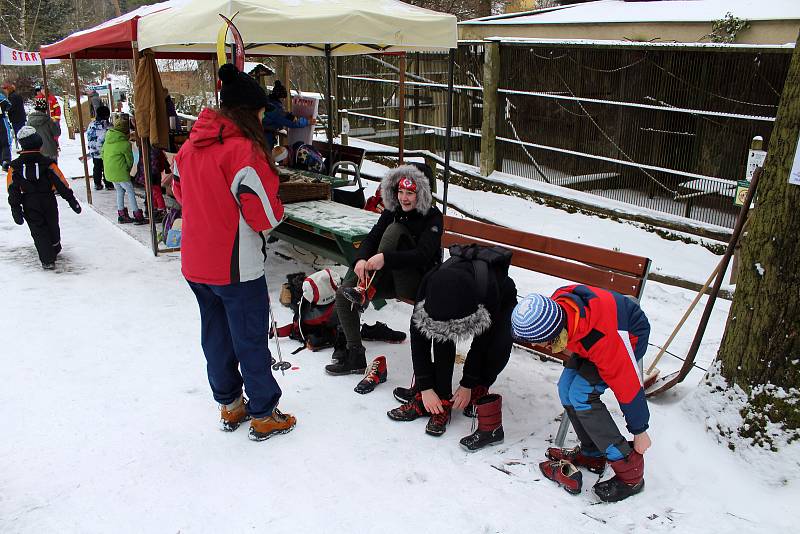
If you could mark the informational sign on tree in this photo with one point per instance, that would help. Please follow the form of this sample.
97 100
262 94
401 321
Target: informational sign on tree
303 106
755 158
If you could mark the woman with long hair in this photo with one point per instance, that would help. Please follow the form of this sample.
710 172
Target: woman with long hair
227 185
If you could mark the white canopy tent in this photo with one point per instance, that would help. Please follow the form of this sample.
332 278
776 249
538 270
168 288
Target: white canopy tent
300 27
188 29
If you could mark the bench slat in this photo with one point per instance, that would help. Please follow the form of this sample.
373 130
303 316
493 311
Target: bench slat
560 268
588 254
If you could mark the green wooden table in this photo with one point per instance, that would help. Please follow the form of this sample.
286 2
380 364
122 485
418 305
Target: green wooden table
327 228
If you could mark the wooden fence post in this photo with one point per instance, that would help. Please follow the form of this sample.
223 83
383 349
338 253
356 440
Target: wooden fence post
491 78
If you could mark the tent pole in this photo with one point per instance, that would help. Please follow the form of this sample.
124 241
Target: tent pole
45 87
215 68
449 128
329 104
401 112
148 191
80 125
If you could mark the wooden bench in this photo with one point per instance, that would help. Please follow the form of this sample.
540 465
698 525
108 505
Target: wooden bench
574 262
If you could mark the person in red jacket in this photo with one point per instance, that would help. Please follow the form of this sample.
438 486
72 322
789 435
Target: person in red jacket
604 334
227 185
55 107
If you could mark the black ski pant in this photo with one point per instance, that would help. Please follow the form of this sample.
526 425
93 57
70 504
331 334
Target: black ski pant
579 388
388 283
41 213
97 173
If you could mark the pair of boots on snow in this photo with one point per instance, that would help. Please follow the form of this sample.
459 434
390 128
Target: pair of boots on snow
488 407
562 467
261 428
124 218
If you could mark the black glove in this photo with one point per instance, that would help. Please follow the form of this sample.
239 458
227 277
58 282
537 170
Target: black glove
17 214
75 206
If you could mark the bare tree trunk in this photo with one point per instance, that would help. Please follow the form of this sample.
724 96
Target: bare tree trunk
760 350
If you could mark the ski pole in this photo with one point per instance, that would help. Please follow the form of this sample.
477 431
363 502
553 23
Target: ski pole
281 364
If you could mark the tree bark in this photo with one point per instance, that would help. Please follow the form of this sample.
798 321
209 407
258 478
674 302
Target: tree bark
761 345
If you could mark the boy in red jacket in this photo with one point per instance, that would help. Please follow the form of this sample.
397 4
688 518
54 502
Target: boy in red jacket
605 334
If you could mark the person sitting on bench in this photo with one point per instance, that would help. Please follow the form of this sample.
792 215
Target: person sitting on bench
605 335
404 244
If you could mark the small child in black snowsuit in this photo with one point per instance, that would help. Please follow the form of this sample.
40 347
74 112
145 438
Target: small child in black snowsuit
32 181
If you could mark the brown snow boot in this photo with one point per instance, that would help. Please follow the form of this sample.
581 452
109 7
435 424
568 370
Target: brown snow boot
490 424
277 422
234 414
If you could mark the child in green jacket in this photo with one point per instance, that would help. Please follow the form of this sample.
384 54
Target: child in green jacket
117 162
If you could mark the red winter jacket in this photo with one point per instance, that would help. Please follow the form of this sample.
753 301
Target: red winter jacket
611 331
229 196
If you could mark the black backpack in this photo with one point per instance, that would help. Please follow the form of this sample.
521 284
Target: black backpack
483 258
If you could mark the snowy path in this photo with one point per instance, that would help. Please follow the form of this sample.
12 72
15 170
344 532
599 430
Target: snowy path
110 425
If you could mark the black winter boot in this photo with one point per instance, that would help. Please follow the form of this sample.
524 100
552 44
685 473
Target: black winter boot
339 346
490 424
628 479
139 218
355 362
123 217
405 394
409 411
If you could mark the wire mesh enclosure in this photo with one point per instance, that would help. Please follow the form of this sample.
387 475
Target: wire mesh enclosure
667 127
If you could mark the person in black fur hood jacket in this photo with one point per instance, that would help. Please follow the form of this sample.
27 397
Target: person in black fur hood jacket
404 244
466 296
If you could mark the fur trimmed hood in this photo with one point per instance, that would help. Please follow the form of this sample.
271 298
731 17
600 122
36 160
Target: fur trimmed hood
393 177
453 330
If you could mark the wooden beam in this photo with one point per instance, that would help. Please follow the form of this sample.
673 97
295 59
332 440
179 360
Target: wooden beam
80 125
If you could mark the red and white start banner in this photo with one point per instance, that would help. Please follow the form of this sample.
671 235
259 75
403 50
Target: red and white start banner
12 56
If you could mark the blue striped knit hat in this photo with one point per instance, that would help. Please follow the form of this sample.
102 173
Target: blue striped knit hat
537 319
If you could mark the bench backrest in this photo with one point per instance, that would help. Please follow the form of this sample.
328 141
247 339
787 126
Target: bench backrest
584 264
340 152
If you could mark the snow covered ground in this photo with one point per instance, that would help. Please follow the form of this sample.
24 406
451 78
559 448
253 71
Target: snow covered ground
111 425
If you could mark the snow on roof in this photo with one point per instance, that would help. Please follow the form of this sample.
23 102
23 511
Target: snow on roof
611 11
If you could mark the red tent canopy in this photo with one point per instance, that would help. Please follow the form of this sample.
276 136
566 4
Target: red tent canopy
111 39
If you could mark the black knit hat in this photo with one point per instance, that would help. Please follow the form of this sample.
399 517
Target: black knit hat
278 90
451 309
29 139
103 113
240 90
